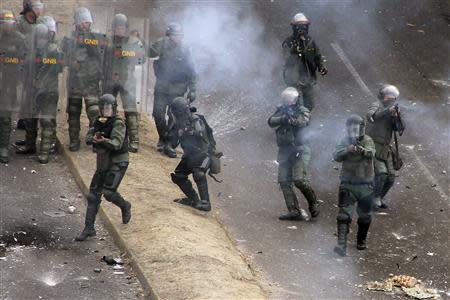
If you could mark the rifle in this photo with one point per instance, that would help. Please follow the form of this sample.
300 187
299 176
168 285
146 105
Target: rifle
397 120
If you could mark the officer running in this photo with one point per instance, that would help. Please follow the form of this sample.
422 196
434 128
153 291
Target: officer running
110 142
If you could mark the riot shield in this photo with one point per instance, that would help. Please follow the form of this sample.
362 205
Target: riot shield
43 63
124 65
12 55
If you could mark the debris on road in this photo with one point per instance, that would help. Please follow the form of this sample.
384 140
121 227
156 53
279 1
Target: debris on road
97 270
292 227
405 284
71 209
118 267
33 172
55 214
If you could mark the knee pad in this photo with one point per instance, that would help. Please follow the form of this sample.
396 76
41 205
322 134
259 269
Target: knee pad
343 217
199 176
366 219
345 198
93 198
285 186
302 184
178 178
74 107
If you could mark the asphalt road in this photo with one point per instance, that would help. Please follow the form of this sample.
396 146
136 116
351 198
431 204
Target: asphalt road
366 43
39 258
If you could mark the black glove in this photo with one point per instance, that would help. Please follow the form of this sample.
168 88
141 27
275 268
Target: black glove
284 120
323 71
191 96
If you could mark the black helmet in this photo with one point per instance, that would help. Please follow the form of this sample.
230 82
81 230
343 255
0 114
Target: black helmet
174 29
356 127
179 106
108 105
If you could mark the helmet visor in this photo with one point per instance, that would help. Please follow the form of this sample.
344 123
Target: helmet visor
107 110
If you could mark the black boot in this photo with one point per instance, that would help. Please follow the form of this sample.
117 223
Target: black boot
126 213
313 205
363 228
186 187
169 151
342 233
27 149
161 145
291 216
202 185
203 205
74 145
89 230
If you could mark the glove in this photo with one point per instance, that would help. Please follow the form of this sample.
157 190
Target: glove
284 120
191 96
323 71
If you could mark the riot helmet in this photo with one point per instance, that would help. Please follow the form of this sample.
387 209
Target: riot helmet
356 127
50 23
388 94
7 20
83 18
107 105
34 6
289 96
179 107
300 25
120 25
40 36
175 32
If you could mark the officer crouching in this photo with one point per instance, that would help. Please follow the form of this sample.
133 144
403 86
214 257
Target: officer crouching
294 154
110 142
199 147
356 151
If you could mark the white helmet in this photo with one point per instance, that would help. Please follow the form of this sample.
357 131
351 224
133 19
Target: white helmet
289 95
82 14
50 23
299 18
388 90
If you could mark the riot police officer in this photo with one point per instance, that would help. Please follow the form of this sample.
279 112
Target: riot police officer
83 51
122 56
198 144
356 151
294 154
12 47
383 120
26 21
175 76
43 94
110 142
302 60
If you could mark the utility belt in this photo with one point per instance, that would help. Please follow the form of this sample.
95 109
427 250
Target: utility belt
357 182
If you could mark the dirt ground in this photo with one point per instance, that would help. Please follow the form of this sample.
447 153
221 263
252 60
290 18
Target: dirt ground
184 254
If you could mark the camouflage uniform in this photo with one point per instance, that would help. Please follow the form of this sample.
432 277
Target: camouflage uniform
12 47
175 75
84 56
120 61
294 155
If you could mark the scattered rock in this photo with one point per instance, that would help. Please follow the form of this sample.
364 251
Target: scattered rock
292 227
97 270
71 209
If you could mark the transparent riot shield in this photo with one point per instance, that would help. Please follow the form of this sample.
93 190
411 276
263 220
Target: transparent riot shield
43 63
124 66
12 55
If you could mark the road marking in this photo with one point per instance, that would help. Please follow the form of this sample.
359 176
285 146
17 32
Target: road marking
351 68
364 87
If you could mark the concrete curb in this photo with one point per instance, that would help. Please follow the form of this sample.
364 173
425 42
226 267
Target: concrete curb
109 225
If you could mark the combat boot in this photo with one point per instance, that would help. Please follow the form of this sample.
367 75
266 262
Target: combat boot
43 158
4 157
363 228
126 212
292 216
20 143
161 145
310 196
169 151
87 232
342 233
74 145
27 149
203 205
